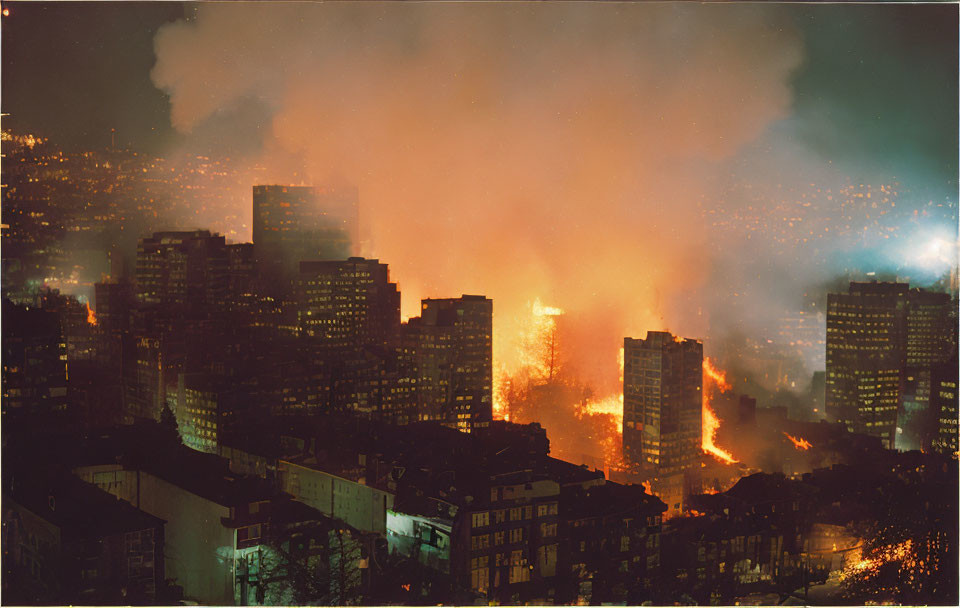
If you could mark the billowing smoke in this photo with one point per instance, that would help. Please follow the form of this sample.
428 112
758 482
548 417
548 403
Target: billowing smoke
522 151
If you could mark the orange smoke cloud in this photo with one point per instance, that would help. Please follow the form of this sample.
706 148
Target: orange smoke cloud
516 150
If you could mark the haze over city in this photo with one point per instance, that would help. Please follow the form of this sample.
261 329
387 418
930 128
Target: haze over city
578 184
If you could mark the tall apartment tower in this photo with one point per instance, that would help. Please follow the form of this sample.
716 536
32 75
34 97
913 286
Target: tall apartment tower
662 403
185 269
292 224
453 345
349 303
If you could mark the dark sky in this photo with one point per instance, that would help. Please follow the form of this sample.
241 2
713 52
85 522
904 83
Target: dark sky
878 84
74 70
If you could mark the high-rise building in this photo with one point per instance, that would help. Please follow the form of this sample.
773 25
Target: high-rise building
348 303
818 387
34 362
928 344
883 339
113 301
943 401
182 269
866 340
240 270
928 328
453 341
292 224
206 406
662 403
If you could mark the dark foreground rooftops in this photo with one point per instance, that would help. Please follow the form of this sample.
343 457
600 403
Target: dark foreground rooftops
79 509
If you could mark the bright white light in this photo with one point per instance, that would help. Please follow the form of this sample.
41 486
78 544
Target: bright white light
936 253
928 250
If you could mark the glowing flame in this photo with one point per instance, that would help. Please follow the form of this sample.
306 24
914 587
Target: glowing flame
612 406
718 377
900 552
711 423
538 341
799 443
539 310
91 316
646 486
541 389
501 383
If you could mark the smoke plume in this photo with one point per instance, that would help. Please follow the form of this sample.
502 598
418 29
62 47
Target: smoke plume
521 151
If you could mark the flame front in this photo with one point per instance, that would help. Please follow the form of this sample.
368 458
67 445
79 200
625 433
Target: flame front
540 387
711 422
799 443
500 383
539 310
91 316
612 405
719 378
900 552
539 349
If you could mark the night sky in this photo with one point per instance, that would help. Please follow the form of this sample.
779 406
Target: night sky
74 70
877 82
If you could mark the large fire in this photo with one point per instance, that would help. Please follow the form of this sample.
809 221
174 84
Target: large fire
798 442
713 379
540 387
540 390
499 408
612 405
540 348
91 316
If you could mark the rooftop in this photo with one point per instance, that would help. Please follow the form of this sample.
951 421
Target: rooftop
79 509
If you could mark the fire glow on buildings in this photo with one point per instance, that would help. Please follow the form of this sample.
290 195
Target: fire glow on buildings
348 318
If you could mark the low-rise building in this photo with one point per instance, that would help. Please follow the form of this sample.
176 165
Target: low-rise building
68 542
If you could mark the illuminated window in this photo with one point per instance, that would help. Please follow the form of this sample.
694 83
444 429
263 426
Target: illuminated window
480 542
479 520
480 573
